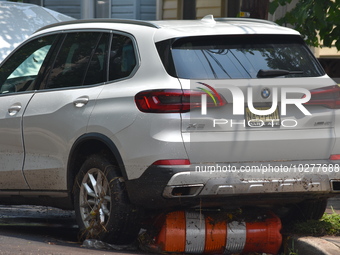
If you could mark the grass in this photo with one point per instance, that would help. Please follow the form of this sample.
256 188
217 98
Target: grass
329 224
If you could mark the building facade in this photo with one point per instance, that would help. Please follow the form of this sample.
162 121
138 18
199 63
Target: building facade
87 9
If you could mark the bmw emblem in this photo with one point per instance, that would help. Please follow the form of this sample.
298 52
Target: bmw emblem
265 93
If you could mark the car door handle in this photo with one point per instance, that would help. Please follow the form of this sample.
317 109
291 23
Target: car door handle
81 101
14 109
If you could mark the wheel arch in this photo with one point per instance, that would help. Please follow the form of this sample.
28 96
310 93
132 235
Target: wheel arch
89 144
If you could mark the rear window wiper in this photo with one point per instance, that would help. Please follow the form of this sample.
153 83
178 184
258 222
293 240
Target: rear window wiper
275 72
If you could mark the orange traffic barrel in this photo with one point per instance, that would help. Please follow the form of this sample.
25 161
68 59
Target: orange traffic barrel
192 232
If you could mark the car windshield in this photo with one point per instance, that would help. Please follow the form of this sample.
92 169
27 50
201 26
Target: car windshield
240 57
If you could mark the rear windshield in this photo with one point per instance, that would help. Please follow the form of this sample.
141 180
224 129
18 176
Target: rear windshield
237 57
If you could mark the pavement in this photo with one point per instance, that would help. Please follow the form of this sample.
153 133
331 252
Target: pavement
326 245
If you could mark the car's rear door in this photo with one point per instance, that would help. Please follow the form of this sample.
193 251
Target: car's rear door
58 113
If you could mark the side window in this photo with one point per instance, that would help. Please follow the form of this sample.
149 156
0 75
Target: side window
97 70
74 59
20 70
122 57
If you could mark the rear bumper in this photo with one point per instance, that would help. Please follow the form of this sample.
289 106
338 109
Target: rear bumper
234 184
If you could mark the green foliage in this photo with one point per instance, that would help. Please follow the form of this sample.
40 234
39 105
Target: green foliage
292 250
334 220
312 18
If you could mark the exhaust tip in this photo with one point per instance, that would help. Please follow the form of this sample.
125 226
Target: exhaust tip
335 185
183 190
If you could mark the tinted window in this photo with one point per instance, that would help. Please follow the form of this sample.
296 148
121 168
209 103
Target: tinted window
122 57
21 69
73 60
97 70
233 57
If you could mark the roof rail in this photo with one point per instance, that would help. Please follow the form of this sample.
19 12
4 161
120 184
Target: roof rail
263 21
82 21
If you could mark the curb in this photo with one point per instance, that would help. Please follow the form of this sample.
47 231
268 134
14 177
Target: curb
314 245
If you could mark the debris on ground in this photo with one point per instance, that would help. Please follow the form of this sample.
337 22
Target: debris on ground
96 244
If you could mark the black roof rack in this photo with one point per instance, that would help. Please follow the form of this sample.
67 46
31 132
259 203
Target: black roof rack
82 21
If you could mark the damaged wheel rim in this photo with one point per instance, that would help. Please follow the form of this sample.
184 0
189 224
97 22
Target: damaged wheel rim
95 201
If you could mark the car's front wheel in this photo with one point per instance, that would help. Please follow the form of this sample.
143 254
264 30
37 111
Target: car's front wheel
102 207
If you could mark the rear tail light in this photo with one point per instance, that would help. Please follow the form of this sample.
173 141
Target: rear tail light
327 96
171 162
334 157
174 100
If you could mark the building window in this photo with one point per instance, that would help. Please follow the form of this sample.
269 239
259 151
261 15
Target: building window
189 9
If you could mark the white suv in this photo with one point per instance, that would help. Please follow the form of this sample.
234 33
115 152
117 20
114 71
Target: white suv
114 118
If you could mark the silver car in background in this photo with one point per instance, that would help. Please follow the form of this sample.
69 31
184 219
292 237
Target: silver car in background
19 20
